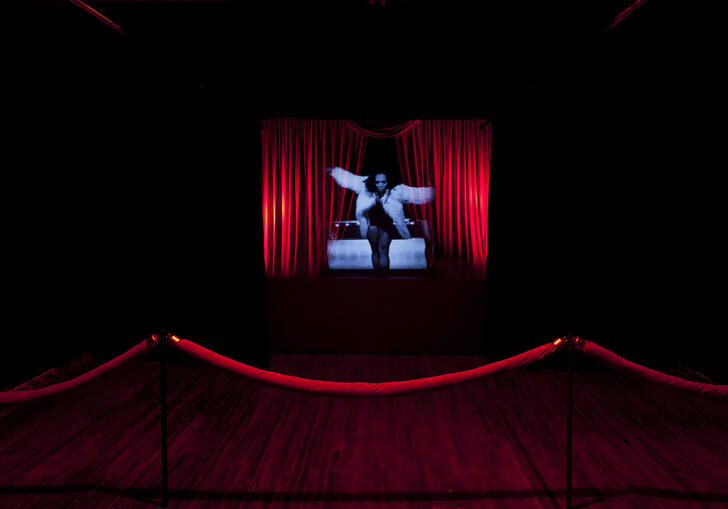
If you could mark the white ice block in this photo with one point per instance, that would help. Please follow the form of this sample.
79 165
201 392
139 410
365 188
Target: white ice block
357 254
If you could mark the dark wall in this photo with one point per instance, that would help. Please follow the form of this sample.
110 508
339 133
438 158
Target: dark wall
377 315
130 219
605 209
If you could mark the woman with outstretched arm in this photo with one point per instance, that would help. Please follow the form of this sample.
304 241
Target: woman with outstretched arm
379 208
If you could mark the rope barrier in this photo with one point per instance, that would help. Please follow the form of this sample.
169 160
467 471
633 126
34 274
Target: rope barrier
422 384
368 388
620 363
138 351
365 388
362 388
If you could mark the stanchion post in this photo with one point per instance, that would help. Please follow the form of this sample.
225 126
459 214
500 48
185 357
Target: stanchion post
569 419
163 347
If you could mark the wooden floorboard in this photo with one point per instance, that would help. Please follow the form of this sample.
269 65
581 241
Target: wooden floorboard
494 442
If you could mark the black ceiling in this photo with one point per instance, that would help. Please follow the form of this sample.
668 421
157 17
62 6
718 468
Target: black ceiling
325 56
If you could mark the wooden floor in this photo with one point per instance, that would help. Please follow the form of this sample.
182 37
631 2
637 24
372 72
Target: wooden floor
495 442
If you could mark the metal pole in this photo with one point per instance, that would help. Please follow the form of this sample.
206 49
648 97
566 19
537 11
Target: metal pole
569 420
163 399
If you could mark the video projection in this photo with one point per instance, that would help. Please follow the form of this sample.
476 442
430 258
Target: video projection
373 197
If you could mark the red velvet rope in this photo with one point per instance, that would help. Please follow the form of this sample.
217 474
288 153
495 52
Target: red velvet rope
135 352
369 388
366 388
612 359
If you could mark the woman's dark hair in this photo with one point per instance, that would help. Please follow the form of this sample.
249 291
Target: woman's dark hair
392 180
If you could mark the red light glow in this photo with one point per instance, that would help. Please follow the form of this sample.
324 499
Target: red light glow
629 10
98 15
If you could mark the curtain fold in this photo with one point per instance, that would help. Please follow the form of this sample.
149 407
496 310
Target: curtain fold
299 198
458 153
414 151
381 129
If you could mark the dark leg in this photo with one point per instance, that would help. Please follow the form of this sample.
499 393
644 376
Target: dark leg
428 242
373 238
383 245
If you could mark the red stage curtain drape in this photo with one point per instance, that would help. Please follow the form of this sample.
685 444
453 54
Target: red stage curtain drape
382 129
459 154
299 198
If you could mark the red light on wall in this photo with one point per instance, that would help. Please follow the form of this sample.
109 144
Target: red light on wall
629 10
98 15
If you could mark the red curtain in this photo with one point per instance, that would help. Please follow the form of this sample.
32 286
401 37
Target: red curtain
381 129
459 153
299 198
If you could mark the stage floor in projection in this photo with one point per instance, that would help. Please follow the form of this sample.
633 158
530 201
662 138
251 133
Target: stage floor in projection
357 254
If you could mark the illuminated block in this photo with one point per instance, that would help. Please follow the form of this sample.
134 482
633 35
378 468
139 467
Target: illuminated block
356 254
